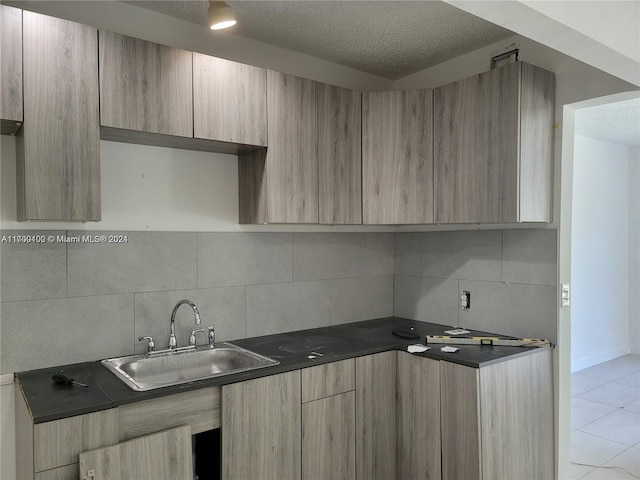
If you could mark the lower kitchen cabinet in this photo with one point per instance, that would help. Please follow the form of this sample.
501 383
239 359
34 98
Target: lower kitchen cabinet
44 447
376 416
261 429
200 409
141 459
58 443
329 421
497 421
329 437
385 416
162 427
418 417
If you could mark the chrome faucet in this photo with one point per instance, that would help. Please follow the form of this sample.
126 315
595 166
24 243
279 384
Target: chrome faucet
172 337
212 337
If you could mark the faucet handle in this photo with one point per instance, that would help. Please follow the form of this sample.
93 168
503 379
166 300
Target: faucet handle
192 338
212 336
151 345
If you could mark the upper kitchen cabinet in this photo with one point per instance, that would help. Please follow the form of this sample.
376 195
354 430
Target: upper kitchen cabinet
397 157
280 184
11 69
58 148
229 101
493 146
145 86
339 155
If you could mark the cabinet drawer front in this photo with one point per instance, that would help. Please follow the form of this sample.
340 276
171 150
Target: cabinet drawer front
200 409
328 379
57 443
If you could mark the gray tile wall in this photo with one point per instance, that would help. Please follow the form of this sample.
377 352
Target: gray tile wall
73 302
511 275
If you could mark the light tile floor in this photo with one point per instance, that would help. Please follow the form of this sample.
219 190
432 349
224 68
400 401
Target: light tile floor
605 421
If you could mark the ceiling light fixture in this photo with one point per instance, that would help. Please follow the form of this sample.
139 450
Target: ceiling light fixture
220 16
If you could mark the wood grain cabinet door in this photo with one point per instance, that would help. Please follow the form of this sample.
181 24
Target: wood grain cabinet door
339 155
280 184
145 86
460 414
58 149
261 428
11 69
397 157
493 139
419 452
329 437
229 101
292 155
376 416
486 409
159 456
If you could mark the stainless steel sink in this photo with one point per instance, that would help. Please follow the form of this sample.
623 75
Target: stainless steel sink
144 372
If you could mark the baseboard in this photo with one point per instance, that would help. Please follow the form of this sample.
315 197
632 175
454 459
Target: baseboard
583 363
635 349
6 379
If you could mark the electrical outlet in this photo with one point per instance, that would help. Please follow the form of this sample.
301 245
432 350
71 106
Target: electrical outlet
465 300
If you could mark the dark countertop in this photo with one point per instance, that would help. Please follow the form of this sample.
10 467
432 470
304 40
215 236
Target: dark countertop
48 401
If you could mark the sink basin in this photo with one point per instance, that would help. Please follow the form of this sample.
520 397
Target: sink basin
143 372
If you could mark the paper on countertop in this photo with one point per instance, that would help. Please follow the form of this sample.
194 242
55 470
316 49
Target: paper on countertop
417 348
449 349
457 331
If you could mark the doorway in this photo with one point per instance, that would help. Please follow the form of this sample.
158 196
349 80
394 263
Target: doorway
598 389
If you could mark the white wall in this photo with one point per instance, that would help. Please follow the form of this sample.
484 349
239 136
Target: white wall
634 249
599 252
146 188
601 33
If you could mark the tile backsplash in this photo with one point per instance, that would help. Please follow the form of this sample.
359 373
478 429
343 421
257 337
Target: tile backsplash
73 302
511 275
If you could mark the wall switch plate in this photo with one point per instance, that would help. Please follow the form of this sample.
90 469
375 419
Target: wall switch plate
465 300
565 294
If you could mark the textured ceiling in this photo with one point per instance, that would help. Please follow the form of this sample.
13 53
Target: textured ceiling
614 122
390 39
